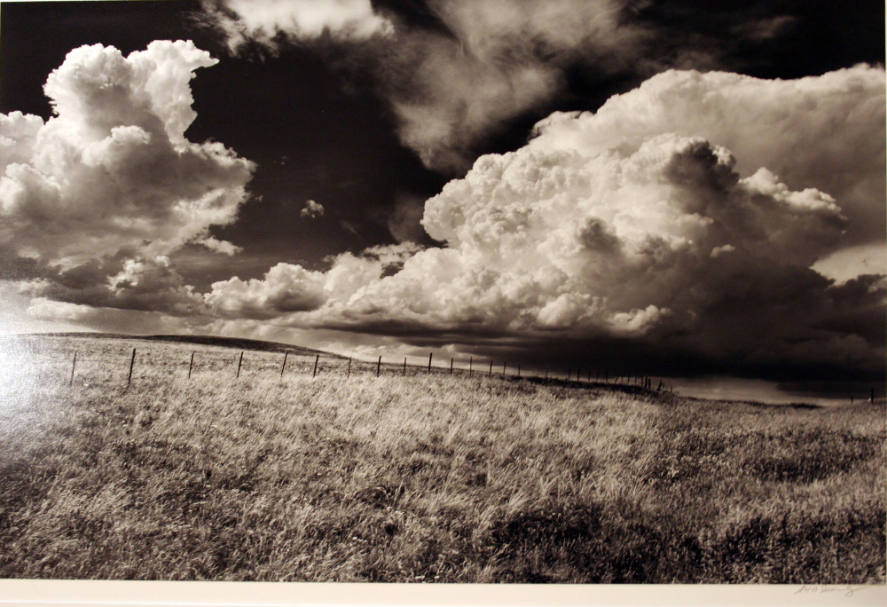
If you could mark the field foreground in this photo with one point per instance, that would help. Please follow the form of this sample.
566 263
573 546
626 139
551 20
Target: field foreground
352 477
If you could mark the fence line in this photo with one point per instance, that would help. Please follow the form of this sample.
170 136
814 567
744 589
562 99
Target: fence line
517 371
604 376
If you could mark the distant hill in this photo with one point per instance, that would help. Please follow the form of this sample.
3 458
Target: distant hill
205 340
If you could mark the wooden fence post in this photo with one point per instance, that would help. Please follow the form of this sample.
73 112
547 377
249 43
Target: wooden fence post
349 366
429 361
379 366
73 365
503 368
451 366
283 366
316 360
470 363
404 365
490 374
132 361
239 362
191 364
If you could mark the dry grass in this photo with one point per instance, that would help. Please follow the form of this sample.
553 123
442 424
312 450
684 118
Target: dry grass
424 478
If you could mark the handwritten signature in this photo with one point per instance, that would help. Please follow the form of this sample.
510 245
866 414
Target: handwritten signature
848 590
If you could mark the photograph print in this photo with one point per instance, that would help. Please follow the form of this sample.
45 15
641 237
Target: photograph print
443 291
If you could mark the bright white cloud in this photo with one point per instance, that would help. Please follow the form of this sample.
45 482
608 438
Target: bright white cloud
219 246
825 132
312 209
264 20
112 170
284 288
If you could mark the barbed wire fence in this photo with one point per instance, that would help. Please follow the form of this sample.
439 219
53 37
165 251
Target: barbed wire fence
293 363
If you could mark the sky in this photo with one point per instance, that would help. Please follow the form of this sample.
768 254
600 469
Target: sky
673 188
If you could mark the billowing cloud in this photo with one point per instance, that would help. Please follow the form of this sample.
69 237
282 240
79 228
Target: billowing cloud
825 132
112 169
312 209
284 288
93 200
640 229
269 21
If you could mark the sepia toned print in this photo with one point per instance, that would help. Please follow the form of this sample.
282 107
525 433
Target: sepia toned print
443 291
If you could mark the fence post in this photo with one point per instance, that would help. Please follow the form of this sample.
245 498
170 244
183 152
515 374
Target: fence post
239 362
429 361
490 374
470 363
404 365
504 364
316 360
283 366
451 366
132 361
349 366
191 364
73 365
379 366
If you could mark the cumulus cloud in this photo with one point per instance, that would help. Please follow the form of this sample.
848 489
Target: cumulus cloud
284 288
638 230
269 21
93 200
312 209
112 169
824 132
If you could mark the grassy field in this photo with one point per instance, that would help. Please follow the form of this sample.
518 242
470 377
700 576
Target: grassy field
416 479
